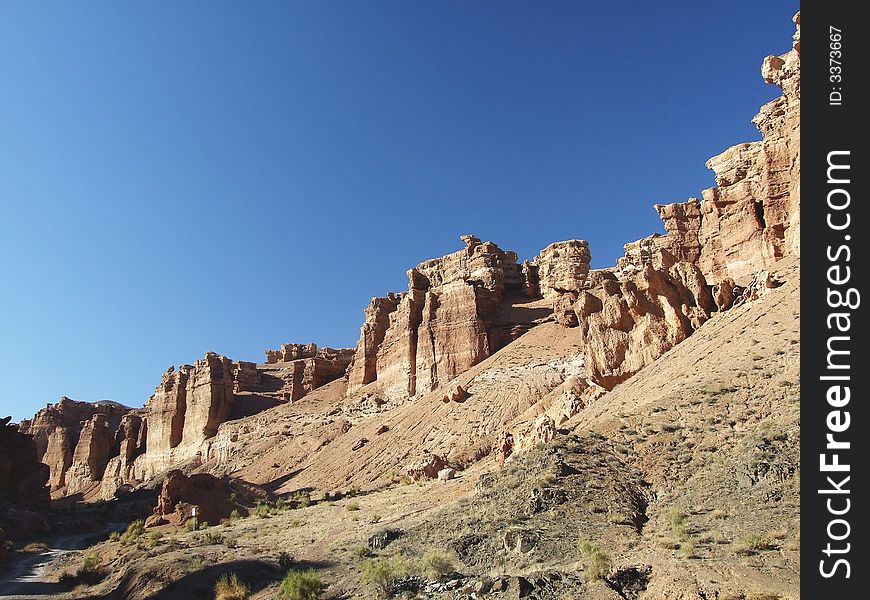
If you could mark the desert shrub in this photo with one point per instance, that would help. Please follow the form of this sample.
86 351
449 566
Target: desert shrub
133 532
235 515
154 538
263 510
204 525
383 574
439 565
230 587
230 542
89 573
352 506
597 562
302 499
35 548
300 585
678 524
213 537
190 525
115 536
687 548
753 543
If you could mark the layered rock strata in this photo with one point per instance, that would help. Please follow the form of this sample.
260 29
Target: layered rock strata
57 431
107 447
452 317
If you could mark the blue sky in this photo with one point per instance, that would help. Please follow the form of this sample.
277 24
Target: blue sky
177 177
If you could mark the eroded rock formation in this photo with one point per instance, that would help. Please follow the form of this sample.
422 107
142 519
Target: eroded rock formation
99 448
451 318
752 218
24 493
57 429
207 498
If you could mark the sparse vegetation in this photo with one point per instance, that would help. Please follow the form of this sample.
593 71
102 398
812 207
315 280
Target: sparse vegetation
439 565
597 562
687 548
133 532
352 506
301 585
230 587
35 548
263 510
89 573
752 544
213 537
382 574
677 521
362 551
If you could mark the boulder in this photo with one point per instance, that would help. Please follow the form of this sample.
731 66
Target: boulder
426 467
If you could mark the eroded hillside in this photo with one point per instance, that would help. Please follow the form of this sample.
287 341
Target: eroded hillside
542 429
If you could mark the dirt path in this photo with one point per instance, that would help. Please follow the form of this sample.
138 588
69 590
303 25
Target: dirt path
25 574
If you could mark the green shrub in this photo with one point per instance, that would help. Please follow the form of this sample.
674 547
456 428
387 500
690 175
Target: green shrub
213 537
384 574
235 516
439 565
597 562
300 585
133 532
263 510
352 506
687 548
204 525
115 536
230 587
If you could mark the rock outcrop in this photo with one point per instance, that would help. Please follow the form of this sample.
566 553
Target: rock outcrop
562 267
100 448
95 447
24 493
204 497
57 429
298 369
628 323
23 478
752 218
451 318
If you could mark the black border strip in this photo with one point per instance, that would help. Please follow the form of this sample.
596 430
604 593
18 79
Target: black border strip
833 108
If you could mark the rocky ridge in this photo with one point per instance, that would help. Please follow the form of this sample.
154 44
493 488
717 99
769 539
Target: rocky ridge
97 449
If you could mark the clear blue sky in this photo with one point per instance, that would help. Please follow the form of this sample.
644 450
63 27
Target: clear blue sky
177 177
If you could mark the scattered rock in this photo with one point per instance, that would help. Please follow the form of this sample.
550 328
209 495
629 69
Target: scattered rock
446 474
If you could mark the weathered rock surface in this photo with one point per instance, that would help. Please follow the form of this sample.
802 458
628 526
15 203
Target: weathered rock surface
206 497
95 447
296 370
563 267
626 324
98 448
57 428
454 314
752 218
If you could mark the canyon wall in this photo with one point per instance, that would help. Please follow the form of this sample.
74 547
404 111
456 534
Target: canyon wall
98 448
751 218
458 310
